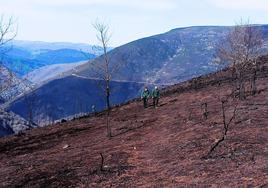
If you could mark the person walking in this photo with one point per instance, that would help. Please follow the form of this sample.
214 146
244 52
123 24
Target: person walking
156 96
145 96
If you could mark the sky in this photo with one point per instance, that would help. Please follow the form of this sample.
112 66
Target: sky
128 20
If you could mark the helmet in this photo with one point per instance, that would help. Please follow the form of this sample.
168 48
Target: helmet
156 87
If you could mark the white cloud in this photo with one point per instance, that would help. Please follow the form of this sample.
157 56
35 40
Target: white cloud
261 5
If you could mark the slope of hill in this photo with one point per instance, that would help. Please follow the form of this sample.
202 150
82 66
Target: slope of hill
50 71
163 147
1 100
71 95
11 123
11 85
165 59
175 56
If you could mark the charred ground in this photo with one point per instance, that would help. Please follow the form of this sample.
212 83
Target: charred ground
163 147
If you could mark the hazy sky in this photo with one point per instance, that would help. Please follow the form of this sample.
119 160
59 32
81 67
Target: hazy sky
71 20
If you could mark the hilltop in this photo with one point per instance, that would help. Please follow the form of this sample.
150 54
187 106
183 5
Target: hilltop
163 147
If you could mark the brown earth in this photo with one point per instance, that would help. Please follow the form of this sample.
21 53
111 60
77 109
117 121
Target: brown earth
163 147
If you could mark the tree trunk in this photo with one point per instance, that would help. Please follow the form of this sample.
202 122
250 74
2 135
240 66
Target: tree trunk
235 82
253 83
242 95
108 96
109 132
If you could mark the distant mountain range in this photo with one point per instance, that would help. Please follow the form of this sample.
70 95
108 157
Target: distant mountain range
39 46
23 57
165 59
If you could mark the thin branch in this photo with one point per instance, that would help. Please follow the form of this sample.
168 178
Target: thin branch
7 31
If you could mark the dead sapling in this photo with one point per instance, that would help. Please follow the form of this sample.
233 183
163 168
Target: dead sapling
102 162
226 125
106 69
204 107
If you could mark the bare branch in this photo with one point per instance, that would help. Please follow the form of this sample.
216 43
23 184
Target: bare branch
8 31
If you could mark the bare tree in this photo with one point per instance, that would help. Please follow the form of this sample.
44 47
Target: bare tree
226 124
7 33
241 48
103 69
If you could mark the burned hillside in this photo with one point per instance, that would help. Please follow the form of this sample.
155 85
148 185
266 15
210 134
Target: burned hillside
164 147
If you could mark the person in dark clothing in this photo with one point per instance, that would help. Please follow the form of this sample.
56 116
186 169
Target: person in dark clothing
145 96
156 96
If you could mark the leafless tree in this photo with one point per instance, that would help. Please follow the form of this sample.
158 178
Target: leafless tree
241 48
104 69
226 124
7 33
